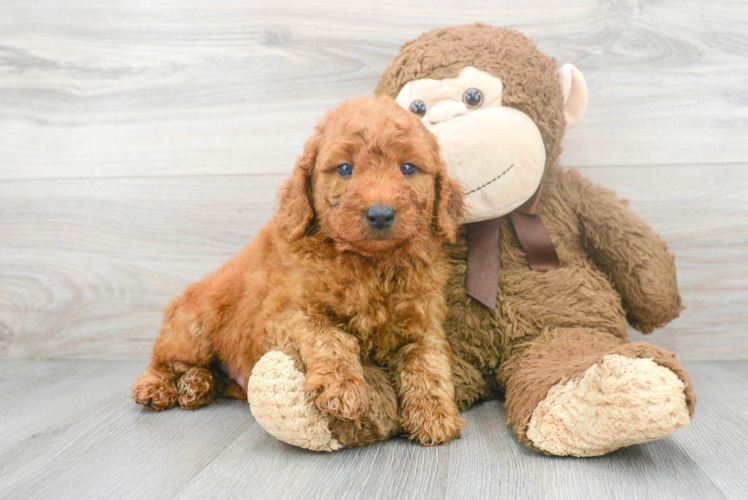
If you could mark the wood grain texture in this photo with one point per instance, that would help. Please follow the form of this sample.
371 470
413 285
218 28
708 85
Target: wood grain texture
87 265
141 143
196 87
70 430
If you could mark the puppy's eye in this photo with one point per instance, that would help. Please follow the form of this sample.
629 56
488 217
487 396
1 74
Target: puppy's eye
418 107
472 98
345 170
408 169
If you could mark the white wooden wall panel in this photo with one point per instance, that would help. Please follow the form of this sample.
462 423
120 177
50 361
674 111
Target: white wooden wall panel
141 143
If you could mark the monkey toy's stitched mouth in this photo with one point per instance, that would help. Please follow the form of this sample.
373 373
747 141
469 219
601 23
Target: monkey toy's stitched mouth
491 181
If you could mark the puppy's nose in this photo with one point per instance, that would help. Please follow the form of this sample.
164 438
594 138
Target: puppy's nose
380 216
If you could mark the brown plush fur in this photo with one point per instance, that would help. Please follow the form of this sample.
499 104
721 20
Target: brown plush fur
547 327
320 280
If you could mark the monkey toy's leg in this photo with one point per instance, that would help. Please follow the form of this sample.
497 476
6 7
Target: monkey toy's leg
584 393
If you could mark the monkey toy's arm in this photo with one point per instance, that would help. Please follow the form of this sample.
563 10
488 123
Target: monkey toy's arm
633 256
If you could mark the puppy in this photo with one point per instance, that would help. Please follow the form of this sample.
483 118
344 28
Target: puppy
350 267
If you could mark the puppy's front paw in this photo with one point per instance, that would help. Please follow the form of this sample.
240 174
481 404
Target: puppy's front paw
431 421
342 398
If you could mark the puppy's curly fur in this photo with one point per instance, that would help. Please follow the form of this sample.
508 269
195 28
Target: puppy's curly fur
321 279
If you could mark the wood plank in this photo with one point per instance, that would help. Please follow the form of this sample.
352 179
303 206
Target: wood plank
86 265
660 469
693 206
106 446
47 404
394 469
190 88
43 392
85 269
716 438
130 452
112 449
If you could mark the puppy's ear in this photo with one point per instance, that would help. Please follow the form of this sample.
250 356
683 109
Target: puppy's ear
294 212
449 206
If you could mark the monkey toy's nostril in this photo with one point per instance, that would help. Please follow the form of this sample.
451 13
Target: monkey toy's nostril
380 216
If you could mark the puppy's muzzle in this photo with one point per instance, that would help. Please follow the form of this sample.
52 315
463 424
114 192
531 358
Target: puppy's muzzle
380 216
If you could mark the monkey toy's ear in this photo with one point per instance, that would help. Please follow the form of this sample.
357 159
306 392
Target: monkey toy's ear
294 212
574 90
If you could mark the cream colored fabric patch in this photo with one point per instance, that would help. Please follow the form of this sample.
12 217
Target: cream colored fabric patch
499 156
618 402
276 398
497 152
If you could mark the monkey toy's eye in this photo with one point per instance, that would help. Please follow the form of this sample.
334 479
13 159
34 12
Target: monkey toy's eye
345 170
418 107
472 98
408 169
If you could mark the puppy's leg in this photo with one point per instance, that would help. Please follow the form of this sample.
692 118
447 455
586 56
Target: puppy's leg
227 387
181 354
426 392
335 377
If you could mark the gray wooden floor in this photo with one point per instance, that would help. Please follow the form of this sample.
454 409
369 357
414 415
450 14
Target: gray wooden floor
68 429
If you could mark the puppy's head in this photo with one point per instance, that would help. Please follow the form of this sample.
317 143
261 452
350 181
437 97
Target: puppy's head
371 178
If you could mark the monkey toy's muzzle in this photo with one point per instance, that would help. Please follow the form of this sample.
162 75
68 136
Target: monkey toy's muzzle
497 153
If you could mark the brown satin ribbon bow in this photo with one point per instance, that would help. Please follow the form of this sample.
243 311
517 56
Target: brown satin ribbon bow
483 249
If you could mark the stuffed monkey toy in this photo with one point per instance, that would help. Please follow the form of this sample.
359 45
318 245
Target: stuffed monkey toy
545 273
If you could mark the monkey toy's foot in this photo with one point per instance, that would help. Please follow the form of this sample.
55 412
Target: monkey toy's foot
277 399
280 404
617 402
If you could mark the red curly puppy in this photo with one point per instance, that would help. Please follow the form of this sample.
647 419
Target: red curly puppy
351 267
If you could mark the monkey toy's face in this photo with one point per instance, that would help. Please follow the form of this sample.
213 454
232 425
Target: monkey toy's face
495 150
